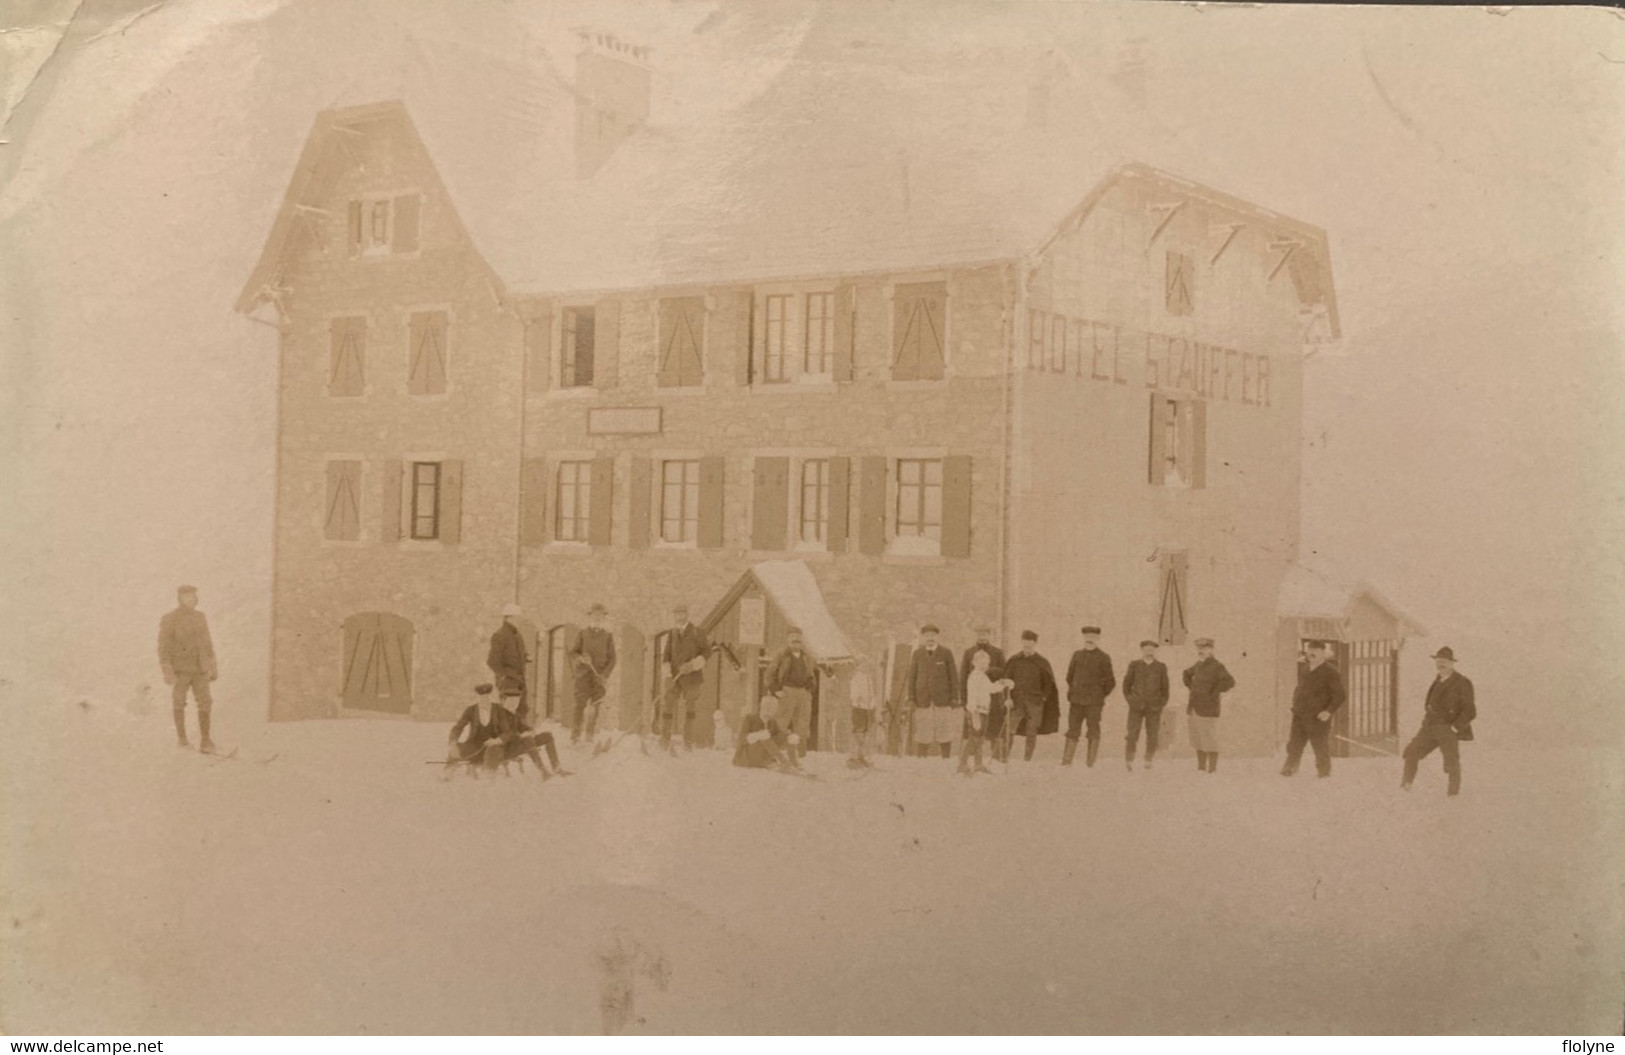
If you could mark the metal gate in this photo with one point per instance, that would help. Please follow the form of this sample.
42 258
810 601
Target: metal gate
1369 722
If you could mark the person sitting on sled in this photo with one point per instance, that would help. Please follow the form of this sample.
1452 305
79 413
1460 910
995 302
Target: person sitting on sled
495 738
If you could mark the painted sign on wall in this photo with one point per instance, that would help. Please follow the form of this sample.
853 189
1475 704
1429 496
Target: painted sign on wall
1104 351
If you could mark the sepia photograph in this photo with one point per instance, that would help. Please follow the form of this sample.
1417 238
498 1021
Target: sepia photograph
811 517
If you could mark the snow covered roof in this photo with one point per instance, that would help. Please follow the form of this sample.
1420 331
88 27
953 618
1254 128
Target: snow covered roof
1317 593
793 590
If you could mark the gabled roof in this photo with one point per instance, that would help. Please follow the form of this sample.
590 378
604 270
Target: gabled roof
791 587
1315 593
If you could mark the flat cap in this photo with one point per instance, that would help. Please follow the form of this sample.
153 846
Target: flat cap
1204 642
1029 635
930 628
1091 630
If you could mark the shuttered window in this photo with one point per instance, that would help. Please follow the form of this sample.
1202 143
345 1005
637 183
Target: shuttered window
1180 298
814 501
385 225
775 336
919 498
1178 446
679 501
1171 593
347 375
427 364
579 339
919 318
818 356
573 504
424 489
343 520
770 503
682 342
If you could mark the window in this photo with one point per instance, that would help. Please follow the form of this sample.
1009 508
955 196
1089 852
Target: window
919 318
384 225
346 374
774 369
679 501
1178 442
919 498
819 356
425 511
573 507
580 330
682 341
427 370
1179 300
1171 593
814 502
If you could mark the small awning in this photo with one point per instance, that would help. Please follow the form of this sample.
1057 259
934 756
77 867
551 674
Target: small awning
792 589
1316 593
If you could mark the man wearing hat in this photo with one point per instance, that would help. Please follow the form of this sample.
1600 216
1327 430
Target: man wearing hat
790 682
684 654
508 660
1318 696
932 690
995 672
1035 699
1208 680
186 656
592 655
1089 680
1145 688
1446 720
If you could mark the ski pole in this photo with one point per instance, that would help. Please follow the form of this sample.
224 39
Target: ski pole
1372 747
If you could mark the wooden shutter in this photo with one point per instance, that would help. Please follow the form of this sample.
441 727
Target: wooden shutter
1179 299
956 505
845 333
427 334
872 505
1198 433
711 504
355 228
730 334
770 504
920 313
694 341
451 502
1157 460
395 655
602 500
606 366
682 341
669 369
840 490
637 527
1172 617
389 521
407 210
343 520
629 664
360 642
539 350
347 373
533 523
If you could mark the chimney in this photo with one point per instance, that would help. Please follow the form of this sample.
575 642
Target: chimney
612 96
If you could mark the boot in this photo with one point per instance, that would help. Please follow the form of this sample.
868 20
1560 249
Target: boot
947 750
964 758
1089 756
1066 753
180 728
1455 783
1213 761
1027 753
1128 758
1409 775
1201 761
976 756
204 743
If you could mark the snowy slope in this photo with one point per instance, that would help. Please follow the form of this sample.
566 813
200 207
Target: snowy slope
343 888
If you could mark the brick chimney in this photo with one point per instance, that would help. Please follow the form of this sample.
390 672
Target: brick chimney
612 95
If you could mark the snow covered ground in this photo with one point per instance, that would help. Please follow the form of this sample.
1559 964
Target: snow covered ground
343 888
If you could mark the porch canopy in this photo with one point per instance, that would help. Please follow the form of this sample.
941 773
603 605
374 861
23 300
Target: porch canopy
791 588
1338 608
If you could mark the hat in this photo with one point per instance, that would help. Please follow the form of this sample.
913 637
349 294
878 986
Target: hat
1318 644
484 688
512 609
1091 630
1148 641
1204 642
597 609
796 630
1029 635
185 589
1445 653
930 628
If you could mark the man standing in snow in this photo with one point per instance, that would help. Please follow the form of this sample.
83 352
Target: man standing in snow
1208 680
790 681
932 690
1035 699
1145 688
186 655
684 655
994 730
861 692
1318 696
592 654
1089 680
1446 721
508 660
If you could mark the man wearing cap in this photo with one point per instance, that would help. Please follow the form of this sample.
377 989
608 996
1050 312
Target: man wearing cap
1035 699
684 654
1208 680
592 655
995 672
1089 680
1446 720
495 737
790 682
932 690
1145 688
186 656
1318 696
508 659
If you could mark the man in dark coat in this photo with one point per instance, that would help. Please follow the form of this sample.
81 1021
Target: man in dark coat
684 654
508 660
1208 681
932 690
791 681
1035 699
1089 680
186 656
1446 720
995 671
1318 696
495 738
1145 689
592 654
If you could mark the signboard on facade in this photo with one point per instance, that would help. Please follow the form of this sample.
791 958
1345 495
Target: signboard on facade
753 621
623 421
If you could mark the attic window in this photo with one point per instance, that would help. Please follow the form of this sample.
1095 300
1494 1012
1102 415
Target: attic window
383 225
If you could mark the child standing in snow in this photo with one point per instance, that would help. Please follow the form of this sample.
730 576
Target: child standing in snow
862 694
979 691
